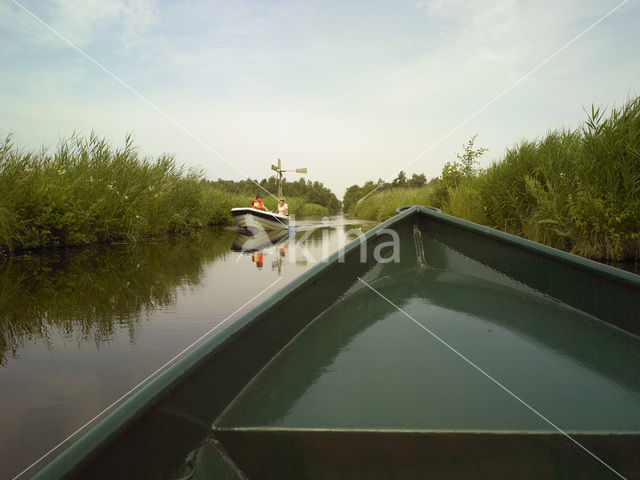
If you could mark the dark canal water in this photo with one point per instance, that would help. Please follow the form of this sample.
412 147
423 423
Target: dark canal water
79 329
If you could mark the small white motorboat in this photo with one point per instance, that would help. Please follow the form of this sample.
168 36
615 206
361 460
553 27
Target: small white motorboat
259 219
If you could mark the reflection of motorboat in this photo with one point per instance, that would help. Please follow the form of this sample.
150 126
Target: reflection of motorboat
254 240
251 217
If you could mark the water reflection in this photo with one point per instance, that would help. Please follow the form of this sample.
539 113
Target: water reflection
276 264
79 328
248 241
302 245
88 294
257 243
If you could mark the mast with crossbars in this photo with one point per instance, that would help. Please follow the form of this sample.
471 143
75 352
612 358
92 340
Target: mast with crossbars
278 168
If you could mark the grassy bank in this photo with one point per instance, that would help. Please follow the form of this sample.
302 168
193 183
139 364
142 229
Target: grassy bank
87 191
382 205
577 190
299 207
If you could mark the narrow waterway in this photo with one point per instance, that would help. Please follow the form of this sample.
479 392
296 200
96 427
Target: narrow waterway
81 328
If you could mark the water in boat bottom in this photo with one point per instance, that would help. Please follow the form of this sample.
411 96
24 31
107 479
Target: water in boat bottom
405 391
423 363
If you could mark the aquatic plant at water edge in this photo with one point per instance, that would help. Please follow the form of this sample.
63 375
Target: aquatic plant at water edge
87 191
576 190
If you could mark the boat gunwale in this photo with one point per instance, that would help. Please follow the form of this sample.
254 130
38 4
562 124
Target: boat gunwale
538 248
428 431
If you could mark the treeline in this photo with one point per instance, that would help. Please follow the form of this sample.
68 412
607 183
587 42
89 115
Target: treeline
310 192
576 190
356 192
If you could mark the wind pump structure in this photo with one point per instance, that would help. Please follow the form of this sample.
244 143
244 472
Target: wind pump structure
278 168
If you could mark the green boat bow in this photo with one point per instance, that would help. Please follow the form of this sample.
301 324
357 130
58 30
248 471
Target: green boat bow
477 355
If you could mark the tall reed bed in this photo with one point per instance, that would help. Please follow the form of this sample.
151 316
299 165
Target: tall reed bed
577 190
299 207
87 191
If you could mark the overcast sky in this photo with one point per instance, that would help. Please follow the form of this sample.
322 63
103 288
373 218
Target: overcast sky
353 90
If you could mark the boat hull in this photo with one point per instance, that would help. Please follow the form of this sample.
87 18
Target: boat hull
328 379
259 219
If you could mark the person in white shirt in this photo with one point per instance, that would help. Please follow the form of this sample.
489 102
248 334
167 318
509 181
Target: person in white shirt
283 208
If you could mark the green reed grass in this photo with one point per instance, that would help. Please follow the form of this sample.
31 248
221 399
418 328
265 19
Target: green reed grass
312 210
577 190
87 191
382 205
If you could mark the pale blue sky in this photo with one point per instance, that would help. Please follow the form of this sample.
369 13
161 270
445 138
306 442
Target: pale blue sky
353 90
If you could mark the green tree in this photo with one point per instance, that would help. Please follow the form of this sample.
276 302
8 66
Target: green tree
466 166
351 197
400 180
417 181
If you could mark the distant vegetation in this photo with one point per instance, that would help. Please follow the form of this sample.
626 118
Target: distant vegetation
303 196
383 203
577 190
354 193
87 192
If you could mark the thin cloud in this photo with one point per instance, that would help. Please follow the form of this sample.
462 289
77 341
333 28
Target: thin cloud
81 21
350 91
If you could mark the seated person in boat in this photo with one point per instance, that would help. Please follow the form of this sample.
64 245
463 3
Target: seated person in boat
257 203
283 208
